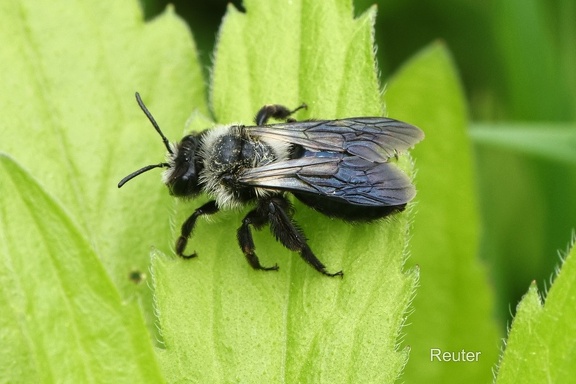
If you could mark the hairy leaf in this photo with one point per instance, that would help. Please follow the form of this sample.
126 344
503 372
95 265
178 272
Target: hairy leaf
221 320
453 308
62 319
541 346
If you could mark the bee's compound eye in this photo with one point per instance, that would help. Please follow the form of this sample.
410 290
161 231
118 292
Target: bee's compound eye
184 180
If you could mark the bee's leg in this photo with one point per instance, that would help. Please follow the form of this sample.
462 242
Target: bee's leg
207 209
288 233
275 111
257 218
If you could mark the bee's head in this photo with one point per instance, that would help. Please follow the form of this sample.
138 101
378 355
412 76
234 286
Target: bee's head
181 177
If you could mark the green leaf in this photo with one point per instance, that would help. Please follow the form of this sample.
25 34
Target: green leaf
524 169
289 53
541 346
537 74
453 307
62 319
221 321
69 116
550 141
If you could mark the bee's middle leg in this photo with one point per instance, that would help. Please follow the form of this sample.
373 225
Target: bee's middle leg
257 218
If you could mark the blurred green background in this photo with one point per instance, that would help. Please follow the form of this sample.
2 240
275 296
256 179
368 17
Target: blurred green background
517 60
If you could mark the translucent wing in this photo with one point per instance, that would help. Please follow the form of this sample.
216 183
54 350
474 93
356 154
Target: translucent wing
338 176
345 160
371 138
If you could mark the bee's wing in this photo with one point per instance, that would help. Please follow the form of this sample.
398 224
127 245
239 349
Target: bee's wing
351 179
371 138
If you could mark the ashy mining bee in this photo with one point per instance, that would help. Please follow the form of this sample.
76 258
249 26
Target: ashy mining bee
340 168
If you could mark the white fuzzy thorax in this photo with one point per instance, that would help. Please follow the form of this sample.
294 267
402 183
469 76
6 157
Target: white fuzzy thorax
222 194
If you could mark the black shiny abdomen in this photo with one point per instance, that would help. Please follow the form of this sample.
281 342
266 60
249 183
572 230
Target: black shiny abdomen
346 211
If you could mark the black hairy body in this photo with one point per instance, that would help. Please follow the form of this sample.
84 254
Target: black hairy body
341 168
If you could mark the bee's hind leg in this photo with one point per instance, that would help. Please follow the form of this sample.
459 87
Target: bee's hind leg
276 111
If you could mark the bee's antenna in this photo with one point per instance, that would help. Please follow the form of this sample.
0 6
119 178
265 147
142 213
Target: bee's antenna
156 127
140 171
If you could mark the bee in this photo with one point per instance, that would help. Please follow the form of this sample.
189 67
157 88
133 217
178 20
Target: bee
341 168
